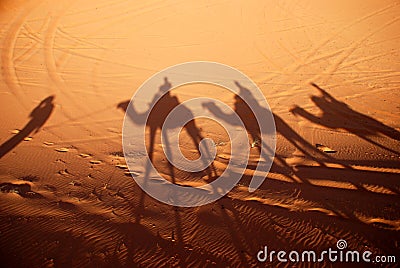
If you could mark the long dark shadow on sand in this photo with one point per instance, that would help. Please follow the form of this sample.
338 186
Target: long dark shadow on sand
155 122
243 110
324 170
39 116
157 117
322 197
338 115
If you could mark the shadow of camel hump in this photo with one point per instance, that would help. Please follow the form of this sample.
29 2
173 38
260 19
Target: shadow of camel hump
39 115
338 115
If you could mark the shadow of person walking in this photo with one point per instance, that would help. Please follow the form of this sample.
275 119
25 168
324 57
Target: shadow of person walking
38 116
338 115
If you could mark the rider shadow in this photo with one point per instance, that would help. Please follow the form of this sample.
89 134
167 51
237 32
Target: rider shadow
39 116
338 115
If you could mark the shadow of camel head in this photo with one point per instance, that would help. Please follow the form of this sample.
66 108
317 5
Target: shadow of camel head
123 105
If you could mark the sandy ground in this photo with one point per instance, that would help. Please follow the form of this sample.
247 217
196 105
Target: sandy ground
330 72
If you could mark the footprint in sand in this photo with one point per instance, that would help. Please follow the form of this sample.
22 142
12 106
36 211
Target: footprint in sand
29 178
23 190
325 149
75 183
122 166
62 150
48 143
131 173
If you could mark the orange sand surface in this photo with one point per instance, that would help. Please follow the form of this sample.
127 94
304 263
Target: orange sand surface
330 71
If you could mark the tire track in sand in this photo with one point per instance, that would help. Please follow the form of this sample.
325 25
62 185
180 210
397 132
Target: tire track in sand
315 56
30 50
61 87
7 55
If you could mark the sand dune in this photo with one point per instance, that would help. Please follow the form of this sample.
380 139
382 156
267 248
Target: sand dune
329 72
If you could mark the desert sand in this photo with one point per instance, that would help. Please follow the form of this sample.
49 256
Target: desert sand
329 70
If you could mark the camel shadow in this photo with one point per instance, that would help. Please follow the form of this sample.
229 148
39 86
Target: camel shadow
155 122
156 118
338 115
243 110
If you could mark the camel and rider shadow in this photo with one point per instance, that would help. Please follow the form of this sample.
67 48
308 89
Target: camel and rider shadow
39 115
157 116
243 110
338 115
343 167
